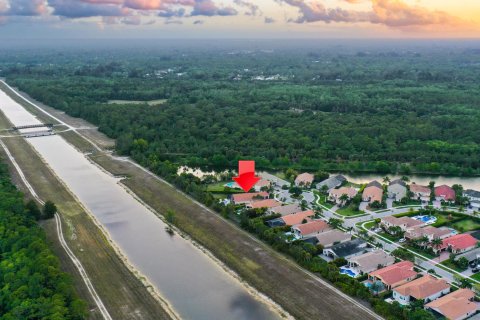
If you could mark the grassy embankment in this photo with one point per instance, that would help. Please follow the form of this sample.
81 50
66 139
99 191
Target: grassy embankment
123 294
255 262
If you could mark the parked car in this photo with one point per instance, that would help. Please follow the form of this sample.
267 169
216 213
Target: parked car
476 269
473 263
402 240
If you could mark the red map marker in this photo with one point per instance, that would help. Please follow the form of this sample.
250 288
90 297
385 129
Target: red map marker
246 175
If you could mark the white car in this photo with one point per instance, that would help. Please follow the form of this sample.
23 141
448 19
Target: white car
402 240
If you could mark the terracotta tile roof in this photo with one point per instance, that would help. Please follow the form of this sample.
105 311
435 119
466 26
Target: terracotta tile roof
455 305
297 218
350 192
407 221
445 192
262 183
460 242
429 231
315 226
374 193
423 287
247 197
287 209
305 178
416 188
395 273
267 203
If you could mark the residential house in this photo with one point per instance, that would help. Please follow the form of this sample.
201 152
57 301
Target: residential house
420 192
286 209
371 261
332 182
457 305
373 192
347 249
397 190
429 232
445 193
244 198
395 275
426 288
458 243
473 197
335 194
304 180
261 185
405 223
330 238
309 229
267 203
297 218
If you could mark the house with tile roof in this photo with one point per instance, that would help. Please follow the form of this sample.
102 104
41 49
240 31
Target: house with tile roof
309 229
458 243
457 305
262 184
304 180
426 288
330 238
347 249
331 182
267 203
445 193
285 209
244 198
429 232
473 197
420 192
373 192
397 190
394 275
335 194
405 223
371 261
297 218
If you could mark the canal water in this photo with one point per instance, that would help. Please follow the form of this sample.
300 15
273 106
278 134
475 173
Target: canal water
195 286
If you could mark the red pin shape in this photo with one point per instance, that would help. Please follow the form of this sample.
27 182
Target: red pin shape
246 175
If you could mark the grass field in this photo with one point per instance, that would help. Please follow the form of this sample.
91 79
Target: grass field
349 211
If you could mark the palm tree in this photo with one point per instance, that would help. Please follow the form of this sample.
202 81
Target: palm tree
386 180
343 198
405 179
437 243
350 229
424 241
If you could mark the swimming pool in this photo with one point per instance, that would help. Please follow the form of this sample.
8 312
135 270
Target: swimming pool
349 272
232 185
426 219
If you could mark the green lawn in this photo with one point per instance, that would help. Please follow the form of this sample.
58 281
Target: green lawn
466 225
219 188
349 211
410 202
323 200
450 265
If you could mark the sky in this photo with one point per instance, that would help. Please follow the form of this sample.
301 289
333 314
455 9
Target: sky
239 19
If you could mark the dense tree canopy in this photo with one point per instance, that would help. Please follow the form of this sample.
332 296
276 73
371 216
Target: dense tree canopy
309 108
32 286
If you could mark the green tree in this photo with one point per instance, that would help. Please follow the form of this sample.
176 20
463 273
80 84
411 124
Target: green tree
49 210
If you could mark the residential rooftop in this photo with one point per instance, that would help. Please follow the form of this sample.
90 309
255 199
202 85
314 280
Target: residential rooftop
423 287
349 248
455 305
297 218
395 273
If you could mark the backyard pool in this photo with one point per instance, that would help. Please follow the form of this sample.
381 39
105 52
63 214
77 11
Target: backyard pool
232 185
349 272
426 219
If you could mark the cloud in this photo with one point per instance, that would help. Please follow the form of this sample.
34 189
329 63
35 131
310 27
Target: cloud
269 20
392 13
173 22
253 8
209 8
169 13
76 9
23 7
198 22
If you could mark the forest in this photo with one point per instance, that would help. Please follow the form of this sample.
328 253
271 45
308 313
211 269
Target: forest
32 286
403 108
